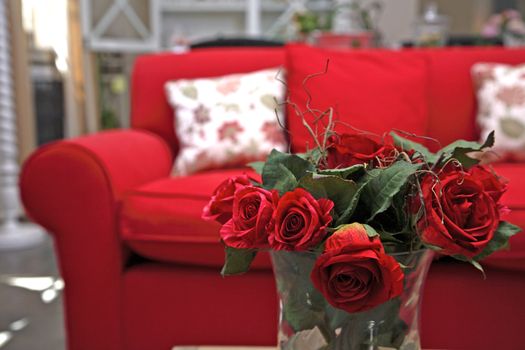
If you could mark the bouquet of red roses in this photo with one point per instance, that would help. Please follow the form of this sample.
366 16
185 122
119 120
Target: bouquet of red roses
356 202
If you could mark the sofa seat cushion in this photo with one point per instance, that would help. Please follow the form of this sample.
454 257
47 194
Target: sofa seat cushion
514 199
162 220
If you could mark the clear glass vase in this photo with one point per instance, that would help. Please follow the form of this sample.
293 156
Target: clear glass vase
309 322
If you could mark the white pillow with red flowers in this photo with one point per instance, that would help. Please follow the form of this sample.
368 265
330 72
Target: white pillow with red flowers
501 107
226 121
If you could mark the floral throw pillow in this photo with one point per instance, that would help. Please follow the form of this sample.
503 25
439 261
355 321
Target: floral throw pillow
501 107
226 121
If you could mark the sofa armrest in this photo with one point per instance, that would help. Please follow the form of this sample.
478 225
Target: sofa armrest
70 177
72 188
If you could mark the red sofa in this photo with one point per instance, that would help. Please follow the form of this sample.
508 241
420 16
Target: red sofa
141 267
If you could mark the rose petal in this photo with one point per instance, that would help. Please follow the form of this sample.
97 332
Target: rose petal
356 281
299 222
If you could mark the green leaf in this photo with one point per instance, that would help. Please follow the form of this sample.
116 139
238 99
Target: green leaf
400 204
338 190
299 313
500 240
345 217
474 263
395 221
313 156
387 237
460 149
237 261
406 144
478 266
282 171
297 165
385 184
279 178
370 231
344 172
461 154
315 187
257 166
337 317
490 140
474 146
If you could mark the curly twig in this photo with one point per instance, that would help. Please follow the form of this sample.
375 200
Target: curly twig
416 136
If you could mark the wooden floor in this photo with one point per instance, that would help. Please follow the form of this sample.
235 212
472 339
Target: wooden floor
43 322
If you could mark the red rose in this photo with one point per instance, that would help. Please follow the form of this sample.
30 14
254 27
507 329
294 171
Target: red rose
350 149
300 221
354 273
251 218
461 210
492 183
219 208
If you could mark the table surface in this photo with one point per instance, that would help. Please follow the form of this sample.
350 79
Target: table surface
224 348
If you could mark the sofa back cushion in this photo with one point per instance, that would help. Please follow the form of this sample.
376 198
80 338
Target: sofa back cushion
429 92
452 98
149 106
370 90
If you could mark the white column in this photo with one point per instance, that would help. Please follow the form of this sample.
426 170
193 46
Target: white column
253 17
13 234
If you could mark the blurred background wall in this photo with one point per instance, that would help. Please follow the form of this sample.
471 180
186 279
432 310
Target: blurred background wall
73 58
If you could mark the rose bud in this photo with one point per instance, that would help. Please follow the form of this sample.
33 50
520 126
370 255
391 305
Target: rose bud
461 210
300 221
354 273
251 218
350 149
219 208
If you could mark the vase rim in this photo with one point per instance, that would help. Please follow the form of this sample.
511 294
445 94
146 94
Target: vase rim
402 253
